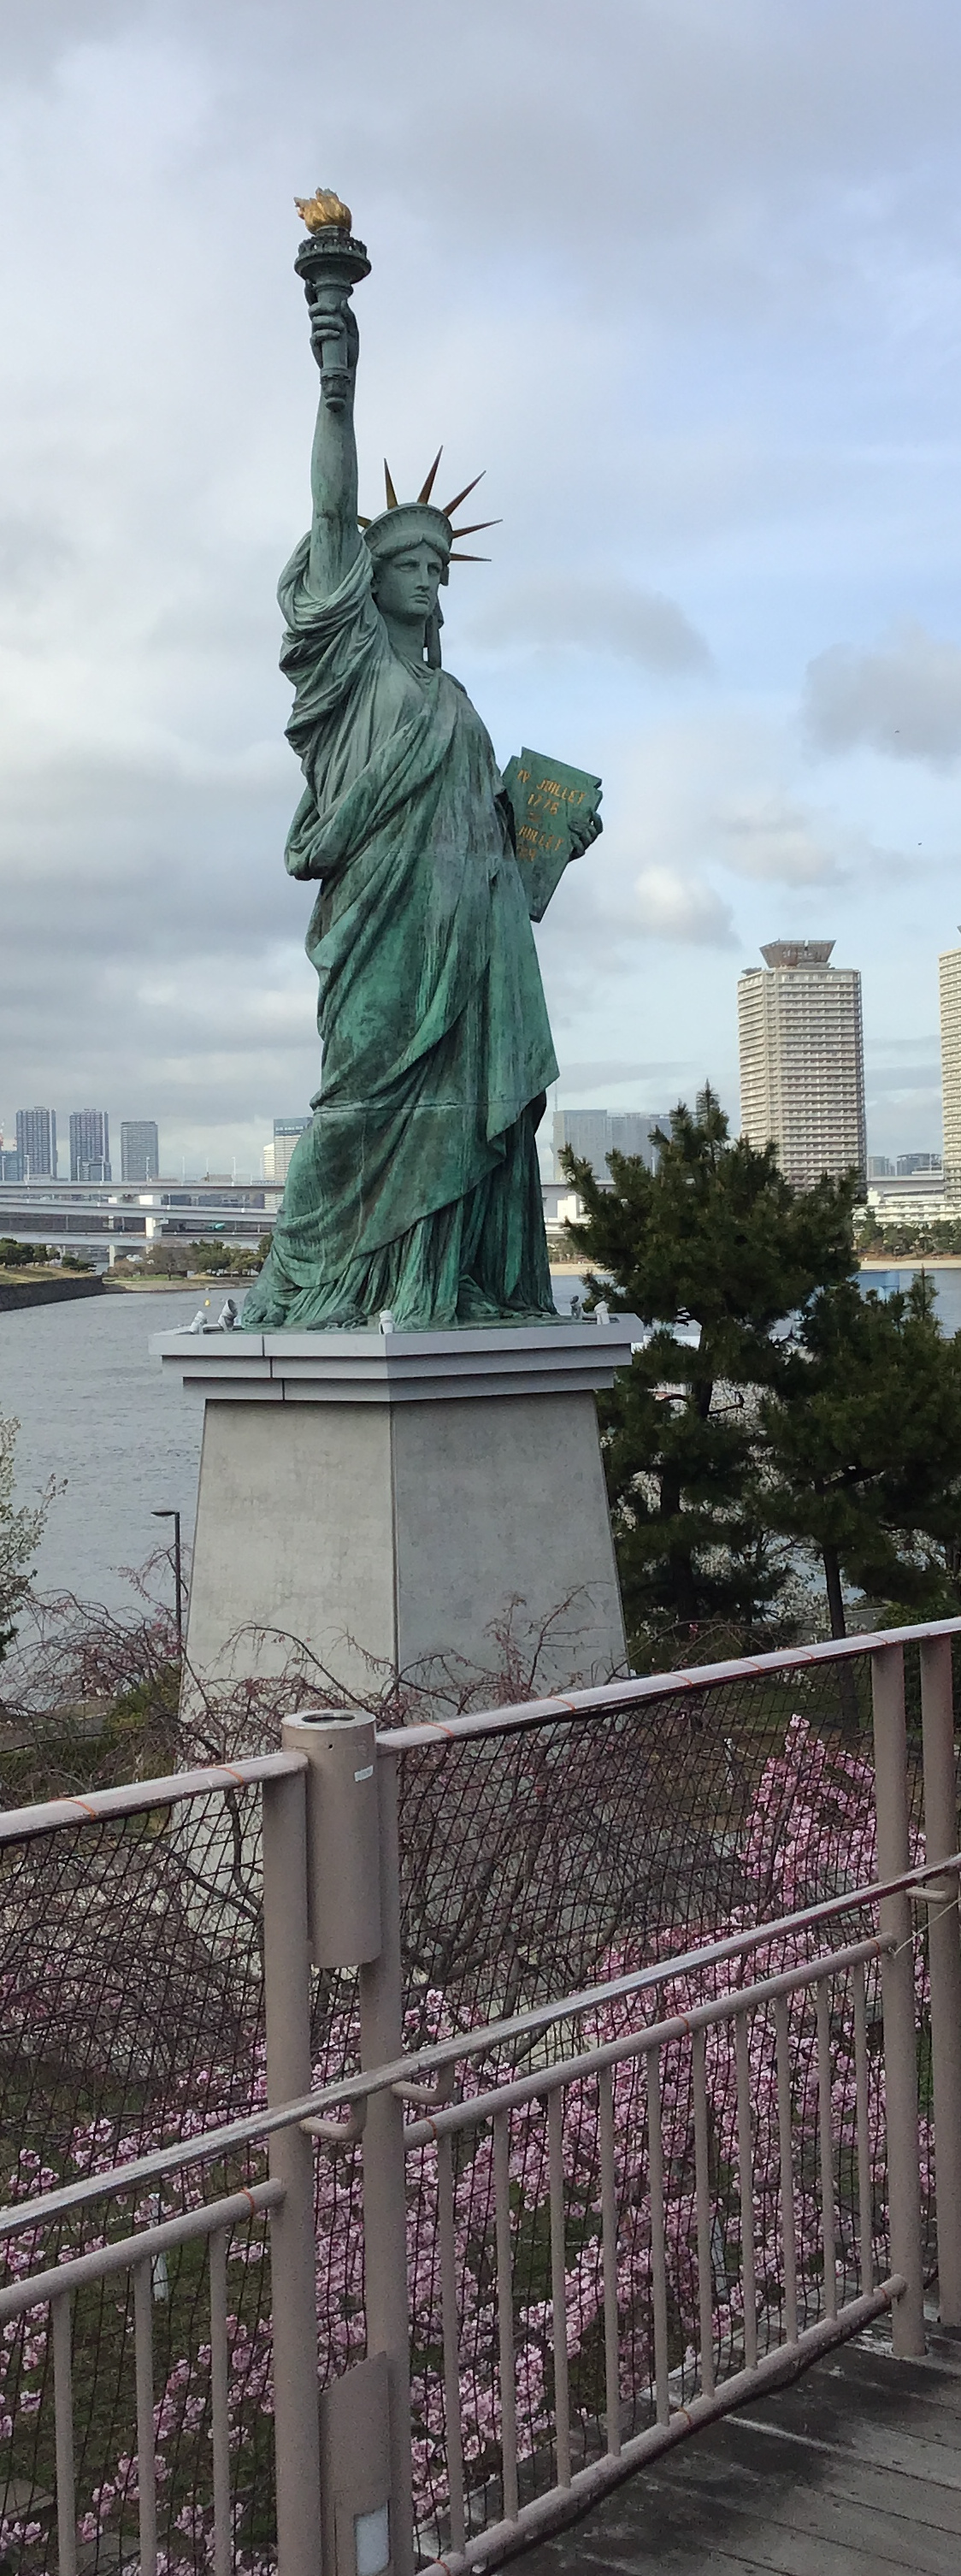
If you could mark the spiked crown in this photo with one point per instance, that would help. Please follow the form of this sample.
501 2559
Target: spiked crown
407 523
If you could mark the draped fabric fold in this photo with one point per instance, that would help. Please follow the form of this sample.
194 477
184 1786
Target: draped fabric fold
416 1186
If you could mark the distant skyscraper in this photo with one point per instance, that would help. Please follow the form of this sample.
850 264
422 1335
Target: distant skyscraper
37 1144
629 1131
10 1164
89 1145
139 1149
584 1133
286 1132
949 976
593 1134
880 1167
802 1060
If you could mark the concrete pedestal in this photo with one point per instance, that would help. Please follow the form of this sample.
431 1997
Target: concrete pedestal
398 1498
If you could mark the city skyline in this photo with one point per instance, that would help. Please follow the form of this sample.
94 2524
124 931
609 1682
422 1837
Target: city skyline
271 1154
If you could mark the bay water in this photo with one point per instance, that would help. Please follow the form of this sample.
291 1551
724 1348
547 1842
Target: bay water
122 1442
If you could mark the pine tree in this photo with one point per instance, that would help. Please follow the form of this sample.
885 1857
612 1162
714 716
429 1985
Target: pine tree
863 1433
714 1239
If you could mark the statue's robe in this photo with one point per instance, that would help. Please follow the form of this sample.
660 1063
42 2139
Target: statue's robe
416 1187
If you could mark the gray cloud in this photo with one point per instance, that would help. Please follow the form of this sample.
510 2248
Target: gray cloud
904 699
603 1073
776 841
557 611
896 1083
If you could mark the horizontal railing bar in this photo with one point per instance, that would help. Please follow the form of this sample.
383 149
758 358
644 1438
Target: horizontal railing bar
211 2143
561 2505
639 2043
629 1693
136 1796
119 2256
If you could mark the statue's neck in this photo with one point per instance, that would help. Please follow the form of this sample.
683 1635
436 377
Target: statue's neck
408 640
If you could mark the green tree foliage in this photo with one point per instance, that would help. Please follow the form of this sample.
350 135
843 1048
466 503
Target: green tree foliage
207 1259
863 1439
923 1239
20 1534
22 1256
716 1240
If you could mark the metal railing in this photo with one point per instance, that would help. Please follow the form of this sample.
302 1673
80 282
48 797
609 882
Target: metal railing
589 2224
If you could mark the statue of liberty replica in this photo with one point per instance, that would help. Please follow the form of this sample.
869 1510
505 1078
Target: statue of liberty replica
416 1189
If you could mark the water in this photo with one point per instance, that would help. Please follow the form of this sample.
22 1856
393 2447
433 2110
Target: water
947 1283
94 1411
96 1414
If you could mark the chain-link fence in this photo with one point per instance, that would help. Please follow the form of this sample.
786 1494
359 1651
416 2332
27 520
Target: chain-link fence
534 1856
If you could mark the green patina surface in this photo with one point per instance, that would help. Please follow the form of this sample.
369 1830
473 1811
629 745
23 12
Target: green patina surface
416 1188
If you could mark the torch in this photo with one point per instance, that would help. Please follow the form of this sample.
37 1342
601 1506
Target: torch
330 255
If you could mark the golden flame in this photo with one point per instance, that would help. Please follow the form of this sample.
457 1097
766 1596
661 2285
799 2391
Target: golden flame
323 209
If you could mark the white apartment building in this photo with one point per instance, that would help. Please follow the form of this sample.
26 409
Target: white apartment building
917 1200
802 1060
949 979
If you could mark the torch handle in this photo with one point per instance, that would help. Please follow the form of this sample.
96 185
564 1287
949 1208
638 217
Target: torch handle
334 347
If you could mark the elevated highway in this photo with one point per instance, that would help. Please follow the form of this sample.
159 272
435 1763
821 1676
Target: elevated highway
107 1221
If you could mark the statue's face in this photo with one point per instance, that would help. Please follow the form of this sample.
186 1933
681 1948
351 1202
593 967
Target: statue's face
406 585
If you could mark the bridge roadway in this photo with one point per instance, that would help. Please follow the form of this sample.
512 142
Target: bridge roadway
110 1218
854 2470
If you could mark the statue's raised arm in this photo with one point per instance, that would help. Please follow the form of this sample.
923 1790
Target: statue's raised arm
334 536
331 264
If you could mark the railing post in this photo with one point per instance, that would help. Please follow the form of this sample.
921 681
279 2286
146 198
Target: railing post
385 2197
292 2244
897 1988
353 1920
944 1956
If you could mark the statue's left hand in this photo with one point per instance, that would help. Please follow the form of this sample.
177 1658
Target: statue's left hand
333 323
584 833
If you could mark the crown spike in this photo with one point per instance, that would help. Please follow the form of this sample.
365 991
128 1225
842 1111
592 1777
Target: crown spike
475 529
462 496
362 523
391 494
428 485
468 558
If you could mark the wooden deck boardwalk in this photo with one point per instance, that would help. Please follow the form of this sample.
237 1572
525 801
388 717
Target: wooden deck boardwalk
855 2470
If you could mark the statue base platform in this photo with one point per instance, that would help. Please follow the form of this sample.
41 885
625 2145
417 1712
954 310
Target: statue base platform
394 1502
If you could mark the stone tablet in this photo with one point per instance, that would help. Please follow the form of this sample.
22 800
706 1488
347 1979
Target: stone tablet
555 815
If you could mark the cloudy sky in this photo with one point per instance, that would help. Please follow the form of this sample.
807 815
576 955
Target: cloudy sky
684 276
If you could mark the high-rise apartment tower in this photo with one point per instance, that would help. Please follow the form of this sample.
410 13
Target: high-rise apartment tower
802 1060
139 1149
949 978
37 1144
89 1145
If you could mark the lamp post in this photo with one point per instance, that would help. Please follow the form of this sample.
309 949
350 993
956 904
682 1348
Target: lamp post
170 1515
